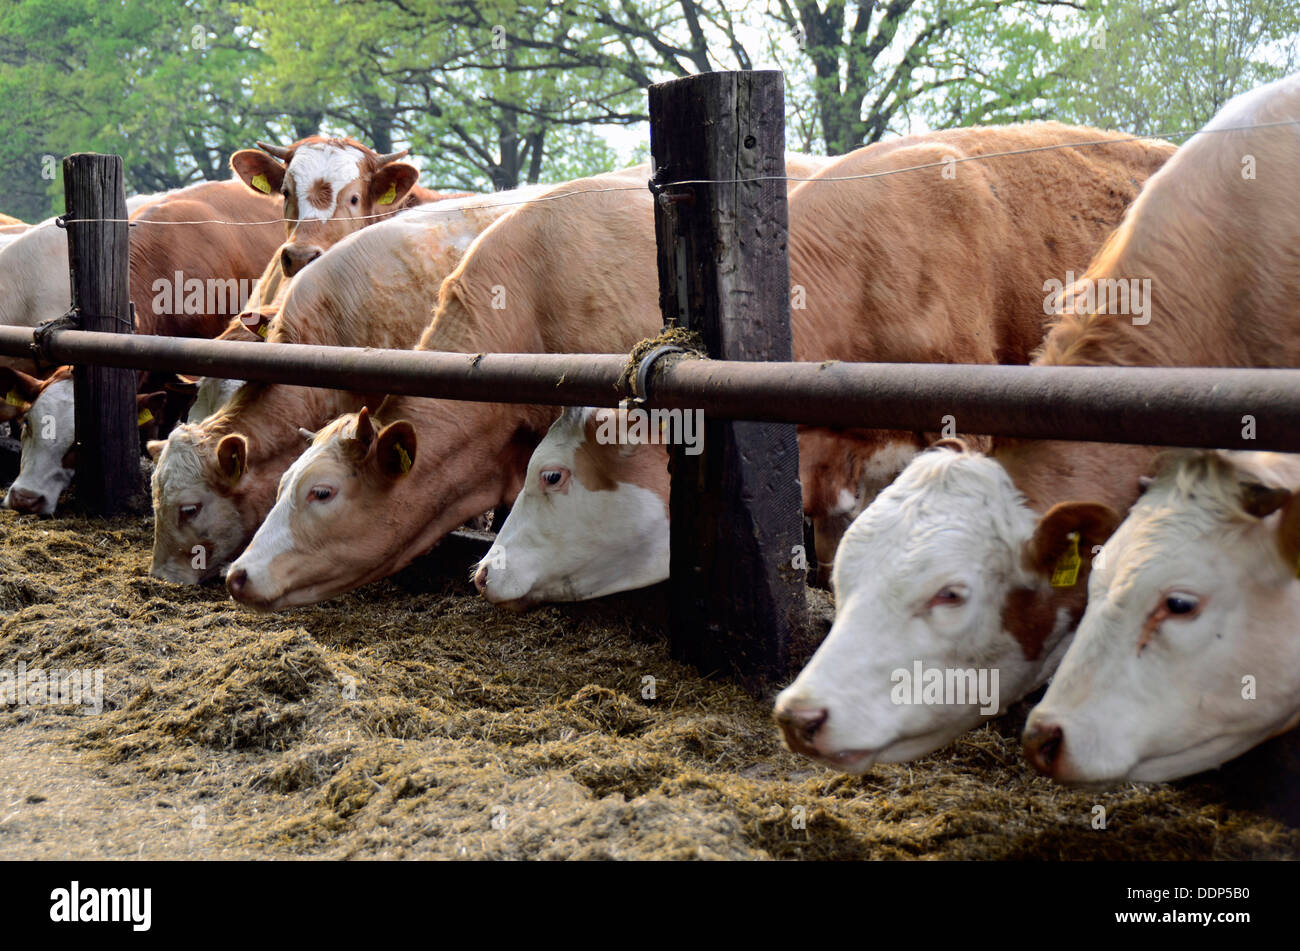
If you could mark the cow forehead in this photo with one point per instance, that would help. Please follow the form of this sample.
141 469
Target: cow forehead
334 165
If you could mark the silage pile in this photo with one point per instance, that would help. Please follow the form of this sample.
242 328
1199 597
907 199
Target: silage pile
411 719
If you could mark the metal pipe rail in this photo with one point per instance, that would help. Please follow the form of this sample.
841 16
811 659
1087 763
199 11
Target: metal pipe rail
1195 407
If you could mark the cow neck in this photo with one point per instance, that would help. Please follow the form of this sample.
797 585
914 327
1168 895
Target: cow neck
470 458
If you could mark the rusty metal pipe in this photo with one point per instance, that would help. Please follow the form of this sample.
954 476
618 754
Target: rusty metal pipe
1154 406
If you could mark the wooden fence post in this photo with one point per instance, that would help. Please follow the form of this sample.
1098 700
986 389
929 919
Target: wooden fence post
108 448
737 586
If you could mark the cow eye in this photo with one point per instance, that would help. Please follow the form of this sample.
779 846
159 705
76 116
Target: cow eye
355 199
189 511
321 493
950 596
554 478
1181 604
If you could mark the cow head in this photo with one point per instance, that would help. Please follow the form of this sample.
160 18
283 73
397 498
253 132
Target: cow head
331 187
197 527
947 574
1188 653
330 493
592 518
47 410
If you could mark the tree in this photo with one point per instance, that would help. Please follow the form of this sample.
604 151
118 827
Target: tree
1169 66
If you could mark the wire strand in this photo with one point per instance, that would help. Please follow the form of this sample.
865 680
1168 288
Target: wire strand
433 207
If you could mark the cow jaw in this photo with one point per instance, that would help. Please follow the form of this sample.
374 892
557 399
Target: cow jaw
48 435
921 580
192 548
1143 697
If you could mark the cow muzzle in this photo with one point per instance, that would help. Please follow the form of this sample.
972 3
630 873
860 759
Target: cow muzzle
295 257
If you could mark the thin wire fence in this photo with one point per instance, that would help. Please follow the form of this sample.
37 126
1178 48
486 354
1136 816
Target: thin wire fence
454 206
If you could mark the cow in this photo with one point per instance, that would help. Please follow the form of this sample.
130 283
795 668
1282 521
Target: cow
45 408
948 270
840 470
571 274
591 518
1187 653
187 277
979 562
215 481
331 188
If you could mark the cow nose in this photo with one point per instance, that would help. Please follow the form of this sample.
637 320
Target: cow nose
800 726
236 581
1042 743
21 500
480 578
295 257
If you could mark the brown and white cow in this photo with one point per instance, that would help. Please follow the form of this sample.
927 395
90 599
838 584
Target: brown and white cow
1189 651
331 188
941 265
215 481
590 520
843 309
570 275
966 562
45 408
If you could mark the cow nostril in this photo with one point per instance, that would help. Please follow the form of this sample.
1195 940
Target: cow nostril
480 578
235 581
20 500
1042 744
800 725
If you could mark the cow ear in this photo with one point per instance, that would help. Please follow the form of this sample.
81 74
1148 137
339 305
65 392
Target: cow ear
1064 539
391 184
258 170
149 407
395 448
257 321
1261 500
232 457
19 391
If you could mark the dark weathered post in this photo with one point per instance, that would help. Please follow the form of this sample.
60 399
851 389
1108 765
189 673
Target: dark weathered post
108 448
737 587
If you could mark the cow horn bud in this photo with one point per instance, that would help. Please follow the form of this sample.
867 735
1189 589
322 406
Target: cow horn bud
276 151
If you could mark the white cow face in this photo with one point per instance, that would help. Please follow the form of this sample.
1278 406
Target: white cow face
197 528
592 518
945 575
46 469
1189 652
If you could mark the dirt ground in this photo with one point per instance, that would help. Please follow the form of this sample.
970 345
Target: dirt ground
412 720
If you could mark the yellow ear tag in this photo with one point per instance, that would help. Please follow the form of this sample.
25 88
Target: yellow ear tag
144 417
403 459
261 184
387 197
13 399
1066 572
262 329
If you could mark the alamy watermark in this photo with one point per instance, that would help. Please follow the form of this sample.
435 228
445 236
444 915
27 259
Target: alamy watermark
643 427
20 686
1113 296
946 686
